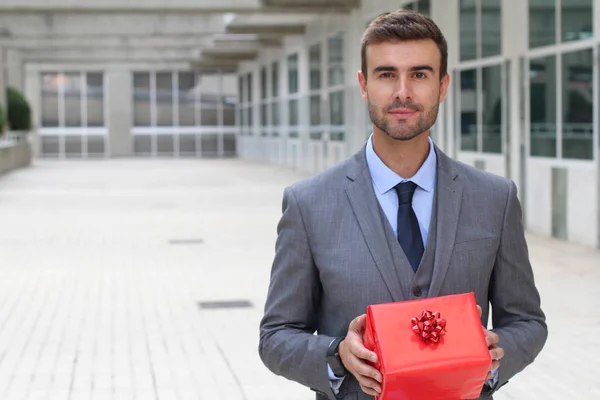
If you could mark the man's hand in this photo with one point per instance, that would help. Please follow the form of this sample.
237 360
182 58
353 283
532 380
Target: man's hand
353 353
496 352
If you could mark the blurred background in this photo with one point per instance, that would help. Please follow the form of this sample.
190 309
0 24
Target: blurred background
145 146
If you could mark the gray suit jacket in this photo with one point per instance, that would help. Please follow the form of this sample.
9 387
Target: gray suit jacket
333 260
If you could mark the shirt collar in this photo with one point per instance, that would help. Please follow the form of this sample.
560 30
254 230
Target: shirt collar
385 179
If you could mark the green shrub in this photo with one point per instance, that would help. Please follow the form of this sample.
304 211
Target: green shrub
2 121
19 112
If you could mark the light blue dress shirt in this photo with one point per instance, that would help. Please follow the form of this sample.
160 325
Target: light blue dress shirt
384 181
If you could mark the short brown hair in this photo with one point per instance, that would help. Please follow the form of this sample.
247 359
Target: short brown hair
403 25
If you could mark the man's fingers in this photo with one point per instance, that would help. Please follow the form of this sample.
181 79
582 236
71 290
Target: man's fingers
491 338
368 391
496 352
358 324
369 386
479 309
495 365
368 372
362 352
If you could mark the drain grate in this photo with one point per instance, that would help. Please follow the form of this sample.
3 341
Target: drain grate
224 304
186 241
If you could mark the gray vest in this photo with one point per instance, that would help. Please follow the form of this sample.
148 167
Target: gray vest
414 285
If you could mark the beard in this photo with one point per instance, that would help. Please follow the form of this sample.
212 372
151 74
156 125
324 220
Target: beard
403 130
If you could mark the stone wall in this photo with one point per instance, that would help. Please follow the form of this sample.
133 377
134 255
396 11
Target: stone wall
15 152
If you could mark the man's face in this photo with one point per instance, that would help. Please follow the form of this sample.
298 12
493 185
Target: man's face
403 87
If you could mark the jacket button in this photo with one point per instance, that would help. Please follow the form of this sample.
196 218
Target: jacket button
417 291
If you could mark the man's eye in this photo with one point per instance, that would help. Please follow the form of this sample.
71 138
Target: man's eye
386 75
420 75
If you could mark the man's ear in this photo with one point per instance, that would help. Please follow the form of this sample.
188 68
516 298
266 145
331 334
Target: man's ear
362 82
444 84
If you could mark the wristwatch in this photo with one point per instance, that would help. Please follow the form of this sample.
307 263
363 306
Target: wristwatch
334 360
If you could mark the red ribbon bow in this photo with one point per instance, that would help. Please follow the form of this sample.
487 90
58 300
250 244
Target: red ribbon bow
430 326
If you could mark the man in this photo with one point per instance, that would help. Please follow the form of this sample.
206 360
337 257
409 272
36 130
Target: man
398 221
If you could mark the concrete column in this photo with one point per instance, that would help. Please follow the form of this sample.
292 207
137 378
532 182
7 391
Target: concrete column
33 92
515 43
15 74
446 15
356 114
120 111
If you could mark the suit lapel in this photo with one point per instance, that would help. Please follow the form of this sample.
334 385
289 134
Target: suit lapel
366 209
449 196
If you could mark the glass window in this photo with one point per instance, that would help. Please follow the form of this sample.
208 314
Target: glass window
72 93
542 89
315 67
65 103
141 99
51 81
293 74
336 108
275 79
241 89
164 99
336 59
576 19
492 109
275 113
411 6
249 122
315 109
423 6
578 106
468 30
542 22
95 99
293 112
491 28
210 97
228 99
263 83
468 110
264 115
228 114
249 84
209 116
187 99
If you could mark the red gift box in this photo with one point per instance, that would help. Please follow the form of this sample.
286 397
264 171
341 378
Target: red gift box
429 349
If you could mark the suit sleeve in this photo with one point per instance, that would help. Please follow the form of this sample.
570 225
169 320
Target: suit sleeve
288 345
517 316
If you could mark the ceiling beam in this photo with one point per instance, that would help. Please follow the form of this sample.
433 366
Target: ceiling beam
339 4
271 30
120 5
206 65
101 25
116 54
260 42
219 55
178 6
110 41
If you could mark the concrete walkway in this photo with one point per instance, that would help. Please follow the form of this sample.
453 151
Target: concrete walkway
103 265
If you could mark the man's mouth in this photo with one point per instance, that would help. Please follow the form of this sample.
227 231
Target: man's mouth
402 113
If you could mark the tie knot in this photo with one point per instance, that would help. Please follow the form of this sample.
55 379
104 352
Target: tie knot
405 191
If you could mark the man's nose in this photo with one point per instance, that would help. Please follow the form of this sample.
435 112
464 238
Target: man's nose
403 90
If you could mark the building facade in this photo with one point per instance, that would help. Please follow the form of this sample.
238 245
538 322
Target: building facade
193 79
523 101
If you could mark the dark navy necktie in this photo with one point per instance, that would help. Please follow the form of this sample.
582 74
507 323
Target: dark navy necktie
409 233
